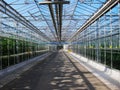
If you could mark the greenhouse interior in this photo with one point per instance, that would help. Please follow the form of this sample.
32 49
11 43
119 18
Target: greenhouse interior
89 29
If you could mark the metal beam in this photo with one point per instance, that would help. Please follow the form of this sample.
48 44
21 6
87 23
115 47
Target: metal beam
107 6
57 23
60 20
53 19
54 2
36 2
32 16
11 12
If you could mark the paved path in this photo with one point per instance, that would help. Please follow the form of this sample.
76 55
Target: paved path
57 72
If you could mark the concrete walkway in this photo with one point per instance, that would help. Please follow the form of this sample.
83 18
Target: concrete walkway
57 72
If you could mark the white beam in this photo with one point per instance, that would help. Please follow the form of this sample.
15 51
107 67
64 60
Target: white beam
109 4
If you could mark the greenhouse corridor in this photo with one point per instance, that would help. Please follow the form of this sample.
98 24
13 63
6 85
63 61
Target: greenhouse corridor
59 44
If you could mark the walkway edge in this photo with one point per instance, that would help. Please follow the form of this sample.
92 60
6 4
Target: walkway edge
15 71
106 79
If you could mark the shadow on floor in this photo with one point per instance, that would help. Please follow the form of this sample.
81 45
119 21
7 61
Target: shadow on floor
55 73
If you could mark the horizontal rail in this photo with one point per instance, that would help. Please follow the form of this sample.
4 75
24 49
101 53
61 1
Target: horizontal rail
11 12
54 2
109 4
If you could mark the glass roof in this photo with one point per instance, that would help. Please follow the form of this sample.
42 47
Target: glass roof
74 15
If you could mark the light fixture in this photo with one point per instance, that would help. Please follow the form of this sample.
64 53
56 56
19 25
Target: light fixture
58 13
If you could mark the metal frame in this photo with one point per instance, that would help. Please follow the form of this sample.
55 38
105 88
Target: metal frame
73 13
101 39
54 2
58 9
109 4
5 8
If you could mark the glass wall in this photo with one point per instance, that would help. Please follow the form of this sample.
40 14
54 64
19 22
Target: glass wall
101 40
18 43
